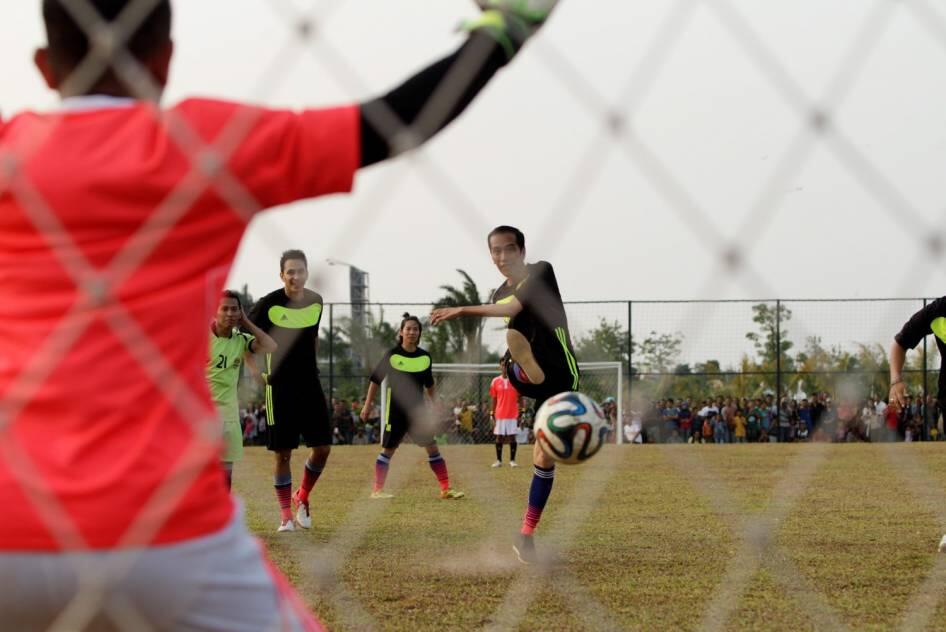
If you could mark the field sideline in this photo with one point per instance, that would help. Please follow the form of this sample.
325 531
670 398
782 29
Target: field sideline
780 537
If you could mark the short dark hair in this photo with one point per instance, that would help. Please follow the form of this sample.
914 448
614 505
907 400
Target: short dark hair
509 230
69 43
292 254
406 318
233 295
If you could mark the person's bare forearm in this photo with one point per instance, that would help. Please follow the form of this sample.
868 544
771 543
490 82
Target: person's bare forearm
372 394
898 357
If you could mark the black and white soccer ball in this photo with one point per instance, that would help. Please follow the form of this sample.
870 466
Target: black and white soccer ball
570 427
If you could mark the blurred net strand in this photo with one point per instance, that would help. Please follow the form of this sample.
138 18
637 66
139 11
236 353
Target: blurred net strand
454 195
756 535
922 604
815 124
573 516
815 118
92 293
613 119
933 21
888 195
405 138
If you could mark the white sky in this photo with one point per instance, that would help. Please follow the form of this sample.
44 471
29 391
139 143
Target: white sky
710 115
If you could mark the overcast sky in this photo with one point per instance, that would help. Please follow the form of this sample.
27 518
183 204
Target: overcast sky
644 218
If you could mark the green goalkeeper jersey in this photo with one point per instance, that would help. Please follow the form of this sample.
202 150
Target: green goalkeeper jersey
223 371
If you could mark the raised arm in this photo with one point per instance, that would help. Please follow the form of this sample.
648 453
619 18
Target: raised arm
497 310
264 343
418 109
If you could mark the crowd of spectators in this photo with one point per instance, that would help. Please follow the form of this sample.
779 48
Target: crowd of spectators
713 420
762 419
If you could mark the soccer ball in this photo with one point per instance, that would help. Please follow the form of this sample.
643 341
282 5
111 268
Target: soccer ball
570 427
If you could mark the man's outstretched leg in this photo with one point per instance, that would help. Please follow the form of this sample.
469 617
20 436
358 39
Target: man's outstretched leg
542 478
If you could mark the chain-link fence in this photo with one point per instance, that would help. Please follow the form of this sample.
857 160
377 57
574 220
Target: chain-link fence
84 315
695 351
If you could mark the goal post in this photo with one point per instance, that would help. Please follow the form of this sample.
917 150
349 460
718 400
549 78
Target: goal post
457 382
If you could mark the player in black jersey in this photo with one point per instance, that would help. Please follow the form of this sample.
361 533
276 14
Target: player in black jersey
929 320
542 361
295 403
407 369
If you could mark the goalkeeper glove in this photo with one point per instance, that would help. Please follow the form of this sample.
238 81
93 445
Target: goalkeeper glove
511 22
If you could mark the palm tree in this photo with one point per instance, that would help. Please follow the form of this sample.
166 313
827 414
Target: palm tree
465 334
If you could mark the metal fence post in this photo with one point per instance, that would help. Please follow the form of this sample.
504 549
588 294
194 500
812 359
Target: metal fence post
331 354
926 411
778 358
630 354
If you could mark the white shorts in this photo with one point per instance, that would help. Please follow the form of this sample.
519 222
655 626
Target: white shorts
506 427
223 581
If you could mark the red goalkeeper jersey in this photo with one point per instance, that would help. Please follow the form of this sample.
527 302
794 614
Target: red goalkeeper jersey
117 231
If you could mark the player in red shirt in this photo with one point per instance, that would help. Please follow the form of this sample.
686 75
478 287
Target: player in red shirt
505 415
119 219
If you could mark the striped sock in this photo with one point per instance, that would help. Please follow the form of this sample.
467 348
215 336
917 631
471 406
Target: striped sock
542 480
439 466
381 471
283 485
310 475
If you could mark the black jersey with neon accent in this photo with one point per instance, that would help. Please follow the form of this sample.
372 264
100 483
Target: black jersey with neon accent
543 321
294 325
408 374
929 320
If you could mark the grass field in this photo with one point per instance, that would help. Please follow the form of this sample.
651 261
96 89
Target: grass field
781 537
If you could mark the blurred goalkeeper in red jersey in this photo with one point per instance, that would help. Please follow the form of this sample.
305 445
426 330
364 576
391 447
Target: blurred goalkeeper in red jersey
118 221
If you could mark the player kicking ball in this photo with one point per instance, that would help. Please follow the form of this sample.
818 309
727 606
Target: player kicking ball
407 368
542 361
114 228
228 347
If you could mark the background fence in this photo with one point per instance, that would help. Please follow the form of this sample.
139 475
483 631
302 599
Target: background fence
693 350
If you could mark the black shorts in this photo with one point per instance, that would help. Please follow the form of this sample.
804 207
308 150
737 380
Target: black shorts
399 425
560 381
294 410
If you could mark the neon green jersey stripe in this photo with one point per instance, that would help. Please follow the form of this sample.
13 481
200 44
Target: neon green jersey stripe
572 364
938 327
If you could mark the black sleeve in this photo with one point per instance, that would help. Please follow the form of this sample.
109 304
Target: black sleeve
472 66
917 328
429 374
381 371
540 290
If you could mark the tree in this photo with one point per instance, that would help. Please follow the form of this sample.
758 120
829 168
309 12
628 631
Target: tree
464 335
772 336
659 353
605 343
